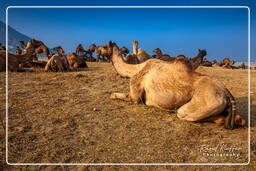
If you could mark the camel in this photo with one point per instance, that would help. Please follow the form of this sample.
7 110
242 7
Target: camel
18 51
164 57
22 44
73 59
176 85
57 63
40 47
15 61
196 61
225 63
137 56
242 66
104 52
206 63
90 51
216 63
80 50
142 55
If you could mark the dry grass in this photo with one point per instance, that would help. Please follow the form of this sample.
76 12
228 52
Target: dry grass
69 117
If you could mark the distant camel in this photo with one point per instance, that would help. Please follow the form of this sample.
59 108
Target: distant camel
216 63
40 47
80 50
104 52
91 49
18 51
242 66
57 63
206 63
22 44
142 55
164 57
138 56
15 61
196 61
176 85
73 59
225 63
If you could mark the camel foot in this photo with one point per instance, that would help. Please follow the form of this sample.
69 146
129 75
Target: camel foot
121 96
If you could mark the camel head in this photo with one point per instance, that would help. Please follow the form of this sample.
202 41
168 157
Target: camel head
202 53
92 48
134 42
157 51
59 49
22 44
111 44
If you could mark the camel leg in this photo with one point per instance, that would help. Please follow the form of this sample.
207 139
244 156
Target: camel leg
206 102
136 94
121 96
218 119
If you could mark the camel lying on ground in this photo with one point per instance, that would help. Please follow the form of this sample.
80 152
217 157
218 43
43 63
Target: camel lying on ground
57 63
74 61
164 57
225 63
104 52
176 85
15 61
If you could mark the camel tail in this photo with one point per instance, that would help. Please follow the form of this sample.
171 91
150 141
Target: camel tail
230 120
121 67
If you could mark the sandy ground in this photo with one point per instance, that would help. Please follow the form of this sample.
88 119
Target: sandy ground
69 117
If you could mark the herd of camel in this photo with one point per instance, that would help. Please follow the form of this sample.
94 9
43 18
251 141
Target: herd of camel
27 57
169 83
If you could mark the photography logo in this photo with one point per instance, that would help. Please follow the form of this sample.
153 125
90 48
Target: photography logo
220 150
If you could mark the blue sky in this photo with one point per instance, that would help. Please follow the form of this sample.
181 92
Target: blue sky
222 32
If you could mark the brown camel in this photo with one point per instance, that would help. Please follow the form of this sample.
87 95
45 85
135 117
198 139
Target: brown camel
73 59
15 61
164 57
138 56
176 85
206 63
242 66
91 49
104 52
225 63
57 63
142 55
216 63
196 61
80 50
18 51
40 47
22 44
